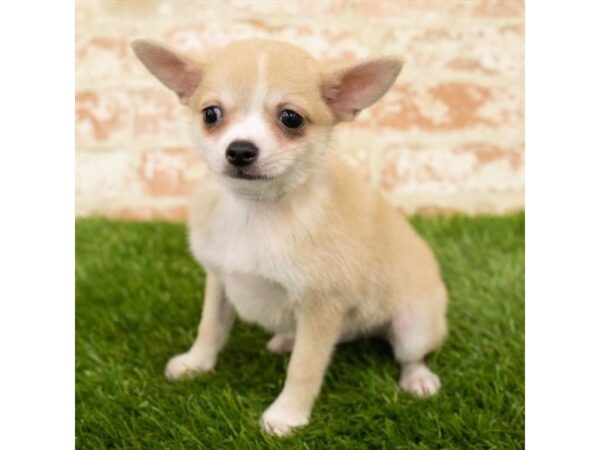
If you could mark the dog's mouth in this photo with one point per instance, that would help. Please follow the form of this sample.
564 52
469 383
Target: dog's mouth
242 175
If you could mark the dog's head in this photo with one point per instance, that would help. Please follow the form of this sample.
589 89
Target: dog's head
263 110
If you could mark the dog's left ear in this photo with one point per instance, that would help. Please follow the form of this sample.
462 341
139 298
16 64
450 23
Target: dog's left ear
349 89
180 73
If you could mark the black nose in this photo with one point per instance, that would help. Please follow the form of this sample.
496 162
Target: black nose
241 153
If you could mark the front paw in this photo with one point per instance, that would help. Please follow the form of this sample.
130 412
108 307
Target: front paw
187 365
282 421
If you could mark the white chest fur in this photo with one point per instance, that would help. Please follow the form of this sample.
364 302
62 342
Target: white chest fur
260 301
249 247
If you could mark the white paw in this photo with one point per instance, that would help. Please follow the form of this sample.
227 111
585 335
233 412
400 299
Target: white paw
419 380
280 344
187 365
281 422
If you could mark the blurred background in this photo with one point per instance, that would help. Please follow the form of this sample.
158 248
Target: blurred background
448 137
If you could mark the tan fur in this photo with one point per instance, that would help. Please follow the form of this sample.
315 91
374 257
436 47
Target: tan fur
313 253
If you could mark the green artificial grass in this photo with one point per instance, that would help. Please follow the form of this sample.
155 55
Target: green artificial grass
138 300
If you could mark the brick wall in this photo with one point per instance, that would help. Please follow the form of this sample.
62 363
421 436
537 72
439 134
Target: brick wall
448 137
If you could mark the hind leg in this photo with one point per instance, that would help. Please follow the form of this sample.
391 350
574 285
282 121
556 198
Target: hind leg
413 333
281 343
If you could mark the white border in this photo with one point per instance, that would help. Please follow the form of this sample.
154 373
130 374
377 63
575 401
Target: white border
563 225
37 398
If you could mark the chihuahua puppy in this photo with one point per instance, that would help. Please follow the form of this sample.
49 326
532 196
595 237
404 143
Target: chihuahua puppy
291 237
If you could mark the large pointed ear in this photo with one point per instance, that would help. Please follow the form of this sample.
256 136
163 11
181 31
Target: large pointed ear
349 89
178 72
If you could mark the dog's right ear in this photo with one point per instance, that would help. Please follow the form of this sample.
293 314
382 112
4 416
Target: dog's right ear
178 72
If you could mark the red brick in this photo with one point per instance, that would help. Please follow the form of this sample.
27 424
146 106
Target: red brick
105 175
120 115
435 10
448 106
334 42
105 57
170 172
447 171
476 49
156 112
319 8
97 116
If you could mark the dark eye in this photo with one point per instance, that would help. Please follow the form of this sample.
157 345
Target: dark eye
212 114
291 119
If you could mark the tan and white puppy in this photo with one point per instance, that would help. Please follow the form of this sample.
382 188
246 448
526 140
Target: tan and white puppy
291 237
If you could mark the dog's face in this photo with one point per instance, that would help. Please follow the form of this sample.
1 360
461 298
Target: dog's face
263 110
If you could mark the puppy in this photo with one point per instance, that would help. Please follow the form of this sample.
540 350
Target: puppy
291 237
